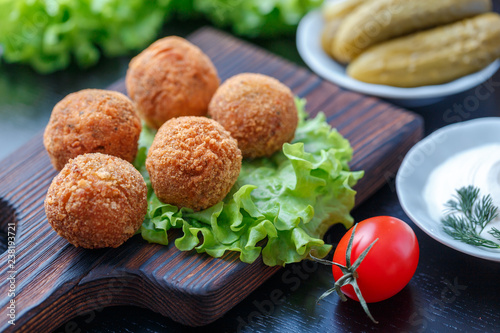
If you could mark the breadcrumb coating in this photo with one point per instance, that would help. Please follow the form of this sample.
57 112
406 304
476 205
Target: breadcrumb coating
171 78
258 111
193 162
92 121
97 201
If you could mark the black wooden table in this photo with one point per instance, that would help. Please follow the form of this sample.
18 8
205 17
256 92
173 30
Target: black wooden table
450 291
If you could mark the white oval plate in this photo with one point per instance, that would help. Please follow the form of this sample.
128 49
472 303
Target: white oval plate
309 47
428 154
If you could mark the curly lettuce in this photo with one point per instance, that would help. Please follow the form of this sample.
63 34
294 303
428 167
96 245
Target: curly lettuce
280 207
254 18
50 34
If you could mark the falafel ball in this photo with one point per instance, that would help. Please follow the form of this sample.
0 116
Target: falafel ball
193 162
97 201
258 111
92 121
171 78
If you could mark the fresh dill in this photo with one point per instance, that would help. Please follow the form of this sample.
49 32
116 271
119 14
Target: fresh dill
467 215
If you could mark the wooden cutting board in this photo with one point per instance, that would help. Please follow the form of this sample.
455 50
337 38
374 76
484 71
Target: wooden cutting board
54 281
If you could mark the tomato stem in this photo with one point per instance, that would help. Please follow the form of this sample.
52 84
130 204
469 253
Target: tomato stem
350 275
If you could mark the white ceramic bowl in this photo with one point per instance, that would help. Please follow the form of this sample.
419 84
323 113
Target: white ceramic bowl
309 47
428 154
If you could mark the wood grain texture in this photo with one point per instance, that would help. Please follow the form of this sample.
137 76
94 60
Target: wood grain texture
56 281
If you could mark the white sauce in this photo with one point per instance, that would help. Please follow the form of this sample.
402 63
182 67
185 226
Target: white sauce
479 166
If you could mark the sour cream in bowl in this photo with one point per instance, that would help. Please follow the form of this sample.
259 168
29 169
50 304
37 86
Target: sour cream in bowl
479 166
452 157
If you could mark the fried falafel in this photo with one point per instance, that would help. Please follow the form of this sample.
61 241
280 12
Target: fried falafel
258 111
193 162
96 201
91 121
171 78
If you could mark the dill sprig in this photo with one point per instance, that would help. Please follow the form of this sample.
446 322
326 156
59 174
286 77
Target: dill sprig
467 215
495 233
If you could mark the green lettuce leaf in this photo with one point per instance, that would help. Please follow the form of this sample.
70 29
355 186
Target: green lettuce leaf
50 34
280 207
256 17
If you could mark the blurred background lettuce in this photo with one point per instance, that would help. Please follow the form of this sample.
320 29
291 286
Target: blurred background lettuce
49 35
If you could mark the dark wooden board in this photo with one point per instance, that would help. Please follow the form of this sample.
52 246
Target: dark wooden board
55 281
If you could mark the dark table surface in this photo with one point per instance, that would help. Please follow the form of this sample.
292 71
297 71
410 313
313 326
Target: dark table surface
450 291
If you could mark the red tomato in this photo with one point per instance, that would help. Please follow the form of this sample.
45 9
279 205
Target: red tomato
390 263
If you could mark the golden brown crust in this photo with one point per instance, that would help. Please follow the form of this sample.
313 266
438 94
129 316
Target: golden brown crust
193 162
90 121
96 201
171 78
258 111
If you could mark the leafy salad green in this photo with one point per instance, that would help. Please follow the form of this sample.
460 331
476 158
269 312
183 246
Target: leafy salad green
256 18
49 34
280 206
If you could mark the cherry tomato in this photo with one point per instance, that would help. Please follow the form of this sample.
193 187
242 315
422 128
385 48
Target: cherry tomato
390 263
